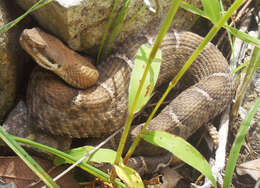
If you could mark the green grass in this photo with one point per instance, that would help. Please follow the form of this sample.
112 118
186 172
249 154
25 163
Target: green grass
36 6
239 140
212 11
29 161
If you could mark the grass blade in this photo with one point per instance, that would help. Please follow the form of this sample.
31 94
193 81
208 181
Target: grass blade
136 75
29 161
117 28
188 7
233 156
251 69
175 80
69 159
243 36
36 6
211 9
181 149
108 26
97 157
167 22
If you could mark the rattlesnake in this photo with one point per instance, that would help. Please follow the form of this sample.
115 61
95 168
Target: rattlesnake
102 108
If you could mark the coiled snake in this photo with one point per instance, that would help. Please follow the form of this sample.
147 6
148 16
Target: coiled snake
55 106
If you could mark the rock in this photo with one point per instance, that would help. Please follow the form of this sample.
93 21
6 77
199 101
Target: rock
11 57
82 23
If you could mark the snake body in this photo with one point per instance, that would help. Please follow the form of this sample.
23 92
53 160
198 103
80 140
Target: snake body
102 108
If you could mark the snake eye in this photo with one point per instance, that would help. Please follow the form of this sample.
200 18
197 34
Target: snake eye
49 61
53 63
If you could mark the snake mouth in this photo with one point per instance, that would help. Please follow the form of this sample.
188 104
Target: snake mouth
45 61
38 55
37 51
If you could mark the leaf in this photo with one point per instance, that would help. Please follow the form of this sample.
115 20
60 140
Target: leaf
136 75
251 168
241 67
36 6
27 159
211 9
13 169
117 27
129 176
106 32
194 10
243 36
181 149
233 156
100 156
88 168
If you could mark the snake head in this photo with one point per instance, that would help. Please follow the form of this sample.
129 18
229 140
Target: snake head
50 53
39 45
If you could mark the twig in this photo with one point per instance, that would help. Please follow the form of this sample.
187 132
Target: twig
86 156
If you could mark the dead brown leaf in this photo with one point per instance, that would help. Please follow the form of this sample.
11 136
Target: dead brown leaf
13 169
251 168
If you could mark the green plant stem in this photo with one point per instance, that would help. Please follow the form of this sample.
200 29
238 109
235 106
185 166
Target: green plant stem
251 68
236 146
162 32
92 170
28 160
229 34
243 36
117 28
208 38
108 26
36 6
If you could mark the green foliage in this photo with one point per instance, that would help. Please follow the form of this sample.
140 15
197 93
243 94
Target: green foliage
218 24
136 75
233 156
69 159
145 79
164 28
241 68
29 161
114 27
108 26
211 9
129 176
250 71
36 6
97 157
181 149
243 36
117 28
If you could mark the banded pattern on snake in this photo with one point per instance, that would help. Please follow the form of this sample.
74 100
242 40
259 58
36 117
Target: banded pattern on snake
102 108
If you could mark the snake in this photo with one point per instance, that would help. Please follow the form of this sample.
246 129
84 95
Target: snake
67 95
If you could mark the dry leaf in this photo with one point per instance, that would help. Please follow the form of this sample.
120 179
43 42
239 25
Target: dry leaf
13 169
251 168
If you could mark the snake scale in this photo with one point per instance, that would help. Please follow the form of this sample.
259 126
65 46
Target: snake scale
55 106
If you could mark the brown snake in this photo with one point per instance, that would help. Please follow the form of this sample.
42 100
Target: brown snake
102 108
